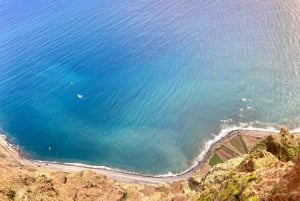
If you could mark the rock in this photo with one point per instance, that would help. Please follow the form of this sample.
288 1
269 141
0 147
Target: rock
248 166
283 145
194 185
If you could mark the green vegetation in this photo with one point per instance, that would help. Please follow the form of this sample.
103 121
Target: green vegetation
204 198
253 198
215 159
249 178
258 152
289 153
231 189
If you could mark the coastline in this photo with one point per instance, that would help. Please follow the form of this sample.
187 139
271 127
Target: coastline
131 177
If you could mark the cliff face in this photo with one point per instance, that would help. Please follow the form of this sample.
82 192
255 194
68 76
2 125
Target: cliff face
26 183
266 173
30 183
289 187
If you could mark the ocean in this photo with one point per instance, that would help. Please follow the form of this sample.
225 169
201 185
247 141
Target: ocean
141 86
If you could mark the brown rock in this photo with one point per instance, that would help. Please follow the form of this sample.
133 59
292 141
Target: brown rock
283 145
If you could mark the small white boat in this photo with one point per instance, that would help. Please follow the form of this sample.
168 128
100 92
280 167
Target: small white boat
79 96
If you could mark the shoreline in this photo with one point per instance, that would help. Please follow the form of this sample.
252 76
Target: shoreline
132 177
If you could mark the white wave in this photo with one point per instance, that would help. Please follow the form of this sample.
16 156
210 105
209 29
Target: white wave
226 121
295 130
242 125
295 70
246 100
250 108
99 167
170 174
216 138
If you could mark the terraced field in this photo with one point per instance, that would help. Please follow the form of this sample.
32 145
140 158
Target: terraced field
235 146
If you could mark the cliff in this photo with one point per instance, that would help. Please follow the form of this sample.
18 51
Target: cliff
268 172
241 167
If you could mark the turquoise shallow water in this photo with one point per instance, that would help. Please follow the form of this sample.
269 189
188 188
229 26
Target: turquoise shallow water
141 86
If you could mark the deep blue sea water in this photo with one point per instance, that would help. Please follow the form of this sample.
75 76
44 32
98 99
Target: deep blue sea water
142 85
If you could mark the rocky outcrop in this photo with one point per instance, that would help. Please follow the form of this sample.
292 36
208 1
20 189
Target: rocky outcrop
289 187
24 184
266 173
283 145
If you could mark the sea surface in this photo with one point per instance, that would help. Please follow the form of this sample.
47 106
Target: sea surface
141 86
